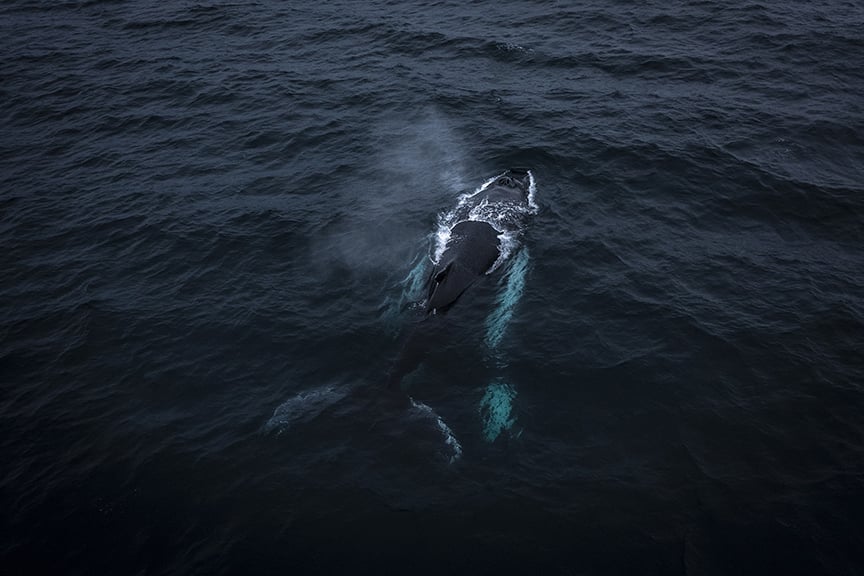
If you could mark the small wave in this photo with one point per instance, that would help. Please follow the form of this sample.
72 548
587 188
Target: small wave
453 446
446 220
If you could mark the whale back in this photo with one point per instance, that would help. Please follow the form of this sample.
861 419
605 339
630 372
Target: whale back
471 251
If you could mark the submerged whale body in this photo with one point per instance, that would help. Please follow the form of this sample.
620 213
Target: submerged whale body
473 239
475 242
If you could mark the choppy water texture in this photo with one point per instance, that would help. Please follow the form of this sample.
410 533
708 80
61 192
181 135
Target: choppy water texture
208 210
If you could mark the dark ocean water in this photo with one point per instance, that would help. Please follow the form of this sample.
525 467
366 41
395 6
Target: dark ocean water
206 211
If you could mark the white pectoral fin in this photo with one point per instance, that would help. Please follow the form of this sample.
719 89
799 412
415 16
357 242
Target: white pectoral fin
496 407
496 410
513 285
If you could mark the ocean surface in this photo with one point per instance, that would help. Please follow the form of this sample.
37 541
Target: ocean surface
214 223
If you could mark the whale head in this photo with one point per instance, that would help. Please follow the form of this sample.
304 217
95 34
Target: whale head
515 179
514 185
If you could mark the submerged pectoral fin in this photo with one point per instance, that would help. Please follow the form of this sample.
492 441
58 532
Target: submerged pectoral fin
496 409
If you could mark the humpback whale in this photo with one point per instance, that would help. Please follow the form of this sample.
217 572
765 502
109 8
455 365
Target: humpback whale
473 240
476 240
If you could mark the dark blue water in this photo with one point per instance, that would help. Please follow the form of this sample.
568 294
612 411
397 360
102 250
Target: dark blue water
206 214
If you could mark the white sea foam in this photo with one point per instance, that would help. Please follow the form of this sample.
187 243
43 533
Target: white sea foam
442 236
508 241
532 192
501 216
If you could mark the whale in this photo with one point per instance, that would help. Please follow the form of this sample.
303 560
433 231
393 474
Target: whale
473 240
477 238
